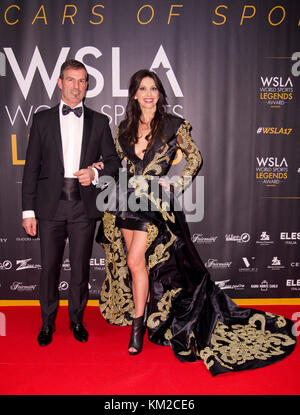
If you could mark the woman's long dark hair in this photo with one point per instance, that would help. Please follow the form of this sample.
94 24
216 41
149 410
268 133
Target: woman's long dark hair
133 111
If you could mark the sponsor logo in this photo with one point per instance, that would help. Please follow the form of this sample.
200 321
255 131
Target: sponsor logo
293 284
276 264
27 239
5 265
274 131
66 266
19 286
200 239
243 238
63 286
225 286
93 288
271 171
98 263
3 240
215 264
264 239
264 286
24 264
248 265
290 238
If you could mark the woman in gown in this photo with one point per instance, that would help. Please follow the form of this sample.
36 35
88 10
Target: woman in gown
161 284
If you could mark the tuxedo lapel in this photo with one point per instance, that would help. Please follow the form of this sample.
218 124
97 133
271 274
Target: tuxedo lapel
55 124
87 127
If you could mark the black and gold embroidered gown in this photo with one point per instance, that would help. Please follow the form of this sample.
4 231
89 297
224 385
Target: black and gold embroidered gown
187 310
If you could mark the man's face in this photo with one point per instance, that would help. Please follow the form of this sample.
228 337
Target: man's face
73 86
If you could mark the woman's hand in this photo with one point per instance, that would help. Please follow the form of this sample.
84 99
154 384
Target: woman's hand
164 184
99 165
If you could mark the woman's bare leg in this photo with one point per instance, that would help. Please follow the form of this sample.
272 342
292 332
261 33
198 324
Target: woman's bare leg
136 242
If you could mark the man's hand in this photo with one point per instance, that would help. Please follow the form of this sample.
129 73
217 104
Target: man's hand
85 176
29 224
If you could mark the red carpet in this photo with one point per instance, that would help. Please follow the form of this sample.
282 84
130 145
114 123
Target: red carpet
102 366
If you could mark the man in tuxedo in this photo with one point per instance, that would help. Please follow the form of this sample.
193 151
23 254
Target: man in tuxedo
58 193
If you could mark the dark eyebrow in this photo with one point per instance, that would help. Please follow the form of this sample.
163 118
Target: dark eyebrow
72 77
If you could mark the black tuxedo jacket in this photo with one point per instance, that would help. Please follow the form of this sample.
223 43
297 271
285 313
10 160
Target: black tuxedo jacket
44 168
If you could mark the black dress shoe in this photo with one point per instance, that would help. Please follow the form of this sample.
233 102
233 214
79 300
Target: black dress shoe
45 335
79 332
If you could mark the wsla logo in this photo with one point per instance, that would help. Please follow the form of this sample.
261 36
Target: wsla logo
50 82
271 171
274 130
276 90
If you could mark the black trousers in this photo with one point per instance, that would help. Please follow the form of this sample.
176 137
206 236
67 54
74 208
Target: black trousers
70 221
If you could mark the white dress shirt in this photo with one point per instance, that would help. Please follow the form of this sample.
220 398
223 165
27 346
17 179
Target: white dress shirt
71 128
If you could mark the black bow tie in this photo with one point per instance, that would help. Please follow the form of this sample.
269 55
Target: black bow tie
77 111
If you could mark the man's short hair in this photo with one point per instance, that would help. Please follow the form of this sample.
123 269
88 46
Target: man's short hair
73 64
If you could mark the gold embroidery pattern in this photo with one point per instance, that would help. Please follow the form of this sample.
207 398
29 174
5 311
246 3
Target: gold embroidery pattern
140 185
163 306
163 206
158 158
116 303
189 347
117 145
121 153
281 321
190 153
241 343
160 253
152 232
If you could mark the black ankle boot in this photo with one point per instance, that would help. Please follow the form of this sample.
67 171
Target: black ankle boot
146 312
137 334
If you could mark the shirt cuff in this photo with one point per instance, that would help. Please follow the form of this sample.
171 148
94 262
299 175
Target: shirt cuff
96 178
28 214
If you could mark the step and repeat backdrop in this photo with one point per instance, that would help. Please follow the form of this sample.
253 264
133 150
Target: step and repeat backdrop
232 68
